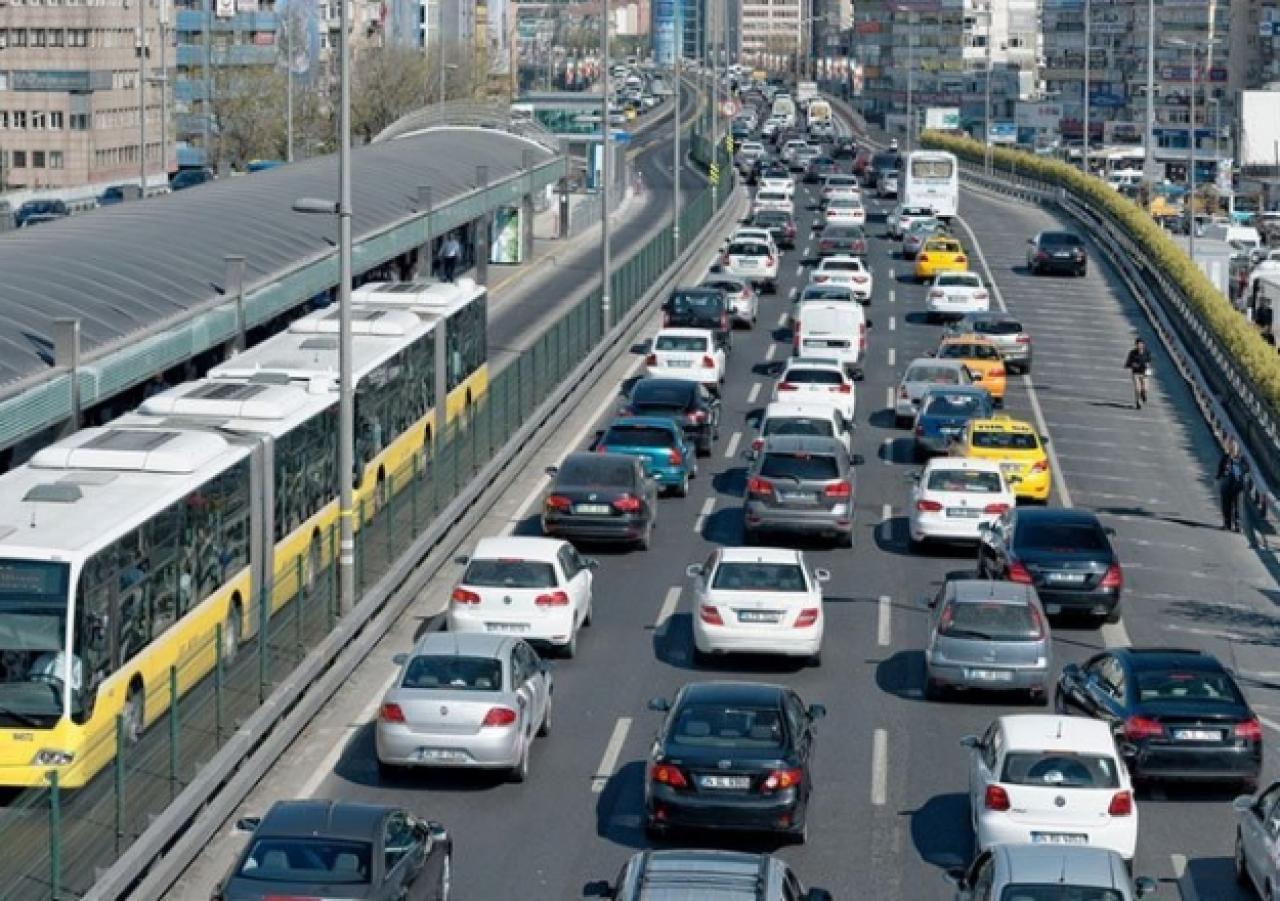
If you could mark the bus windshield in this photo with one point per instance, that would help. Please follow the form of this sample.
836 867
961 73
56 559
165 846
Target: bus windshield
33 612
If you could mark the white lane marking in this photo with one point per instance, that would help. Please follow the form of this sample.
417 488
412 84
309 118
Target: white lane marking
1186 885
792 295
611 751
769 354
753 393
893 323
782 320
884 627
732 449
1114 635
669 604
886 523
886 452
893 294
893 276
330 761
806 250
799 270
888 396
707 506
893 355
879 767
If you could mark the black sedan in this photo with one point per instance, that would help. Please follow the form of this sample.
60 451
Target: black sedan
1178 714
842 241
684 400
732 756
819 168
340 849
1057 252
600 497
781 224
1065 553
36 212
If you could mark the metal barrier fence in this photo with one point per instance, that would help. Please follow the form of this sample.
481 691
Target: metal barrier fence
56 840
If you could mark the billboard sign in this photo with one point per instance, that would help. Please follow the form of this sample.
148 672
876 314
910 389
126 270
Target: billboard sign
298 38
1259 128
942 118
1003 133
504 236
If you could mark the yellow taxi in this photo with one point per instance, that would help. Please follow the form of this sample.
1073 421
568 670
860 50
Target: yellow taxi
982 357
1018 448
940 253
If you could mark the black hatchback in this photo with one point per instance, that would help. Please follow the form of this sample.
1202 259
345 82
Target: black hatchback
732 756
1178 714
684 400
1057 252
600 497
706 308
1064 552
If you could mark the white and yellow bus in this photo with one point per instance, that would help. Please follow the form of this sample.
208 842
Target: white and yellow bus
124 548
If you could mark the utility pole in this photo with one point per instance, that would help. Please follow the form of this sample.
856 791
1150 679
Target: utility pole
911 74
675 153
288 92
206 105
346 400
163 81
606 275
1149 158
1191 158
1088 60
986 156
142 97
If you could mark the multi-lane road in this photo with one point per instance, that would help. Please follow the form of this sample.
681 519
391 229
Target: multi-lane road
889 809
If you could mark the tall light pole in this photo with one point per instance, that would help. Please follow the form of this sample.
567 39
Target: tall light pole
142 97
1088 59
986 156
1194 47
162 31
675 152
911 74
1149 158
288 82
206 62
606 276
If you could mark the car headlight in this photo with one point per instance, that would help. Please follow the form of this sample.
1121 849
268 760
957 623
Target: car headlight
52 757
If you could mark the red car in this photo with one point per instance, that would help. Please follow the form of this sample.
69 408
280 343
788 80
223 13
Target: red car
862 161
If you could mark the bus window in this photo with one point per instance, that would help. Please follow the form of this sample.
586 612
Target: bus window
931 168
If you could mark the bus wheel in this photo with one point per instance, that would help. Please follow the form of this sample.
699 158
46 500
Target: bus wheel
133 714
231 634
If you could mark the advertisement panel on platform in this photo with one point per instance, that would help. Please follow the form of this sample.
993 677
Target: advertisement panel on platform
504 236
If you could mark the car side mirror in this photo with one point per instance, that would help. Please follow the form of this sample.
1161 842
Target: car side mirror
400 659
600 888
552 470
693 570
817 711
822 575
1242 804
1145 885
970 741
659 705
955 876
1031 240
930 601
462 559
1044 439
248 824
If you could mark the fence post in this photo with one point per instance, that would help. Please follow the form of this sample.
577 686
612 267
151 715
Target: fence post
55 836
333 575
360 549
119 784
413 494
263 643
217 686
173 732
300 600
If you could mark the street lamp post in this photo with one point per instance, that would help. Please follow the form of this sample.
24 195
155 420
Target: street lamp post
1088 60
142 98
1149 158
1194 47
986 155
911 74
605 172
675 156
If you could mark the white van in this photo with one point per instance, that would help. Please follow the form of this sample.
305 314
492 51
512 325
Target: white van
834 330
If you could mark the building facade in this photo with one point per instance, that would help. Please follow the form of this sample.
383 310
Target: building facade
772 28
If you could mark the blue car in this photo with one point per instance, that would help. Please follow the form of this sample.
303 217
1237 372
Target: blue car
944 412
660 443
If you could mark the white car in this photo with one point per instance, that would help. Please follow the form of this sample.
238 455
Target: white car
817 379
844 211
537 588
829 292
744 302
953 498
1038 779
753 261
686 353
851 272
831 329
790 149
953 294
784 183
902 217
773 199
758 601
888 184
840 187
771 126
819 418
749 152
751 233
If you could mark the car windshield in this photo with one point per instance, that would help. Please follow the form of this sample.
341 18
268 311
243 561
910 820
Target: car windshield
1059 239
832 292
510 573
592 471
1056 892
686 343
805 376
799 425
963 350
303 860
736 576
939 375
453 673
979 481
718 726
33 619
990 621
1187 685
638 436
955 405
1014 441
1072 536
800 467
1060 769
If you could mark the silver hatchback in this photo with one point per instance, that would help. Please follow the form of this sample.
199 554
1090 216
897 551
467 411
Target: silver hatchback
465 699
800 484
1006 332
1050 872
987 636
922 374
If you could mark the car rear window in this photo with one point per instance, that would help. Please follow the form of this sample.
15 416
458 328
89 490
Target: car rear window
510 573
958 280
708 304
802 466
966 351
1056 892
454 673
743 248
997 327
990 621
716 726
587 472
637 436
1074 536
1060 769
840 266
944 246
799 425
739 576
801 376
1186 685
1060 239
303 860
938 375
975 480
827 293
687 343
663 394
954 405
1016 441
769 217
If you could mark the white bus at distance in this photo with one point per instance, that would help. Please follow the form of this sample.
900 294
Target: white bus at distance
931 178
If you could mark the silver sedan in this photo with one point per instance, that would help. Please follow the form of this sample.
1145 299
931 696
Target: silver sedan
472 700
1258 841
922 374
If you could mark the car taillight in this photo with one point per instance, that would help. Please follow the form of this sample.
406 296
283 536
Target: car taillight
554 599
826 245
1249 730
859 279
819 279
1037 624
1079 253
651 360
1114 577
558 502
1019 573
1024 339
667 774
499 716
995 798
844 388
627 504
995 508
724 321
726 260
462 596
708 362
786 386
1040 466
696 416
1121 804
757 443
980 295
961 258
996 374
391 713
769 260
903 393
674 458
710 615
666 319
838 490
808 616
928 506
759 487
1136 728
778 780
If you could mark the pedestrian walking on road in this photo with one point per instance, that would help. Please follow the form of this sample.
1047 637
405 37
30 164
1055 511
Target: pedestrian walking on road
1138 362
1233 477
449 254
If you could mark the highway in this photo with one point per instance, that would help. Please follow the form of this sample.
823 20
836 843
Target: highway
889 810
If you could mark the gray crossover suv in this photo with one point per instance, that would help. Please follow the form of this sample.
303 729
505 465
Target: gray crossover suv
728 875
802 484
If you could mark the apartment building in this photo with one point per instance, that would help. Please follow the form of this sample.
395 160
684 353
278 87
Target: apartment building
771 27
69 105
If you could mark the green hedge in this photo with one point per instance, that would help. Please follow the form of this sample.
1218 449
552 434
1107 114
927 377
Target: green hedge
1238 337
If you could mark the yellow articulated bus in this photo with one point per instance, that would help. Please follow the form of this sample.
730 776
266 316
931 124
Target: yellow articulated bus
124 548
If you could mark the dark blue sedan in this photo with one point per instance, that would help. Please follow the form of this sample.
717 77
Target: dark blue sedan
944 412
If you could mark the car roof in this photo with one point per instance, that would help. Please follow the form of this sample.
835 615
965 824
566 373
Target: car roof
1169 658
695 289
686 332
965 339
1081 866
934 361
1000 422
760 555
523 548
967 464
1051 732
323 817
653 422
680 875
785 408
813 363
967 591
975 390
470 644
1056 514
732 692
687 386
810 444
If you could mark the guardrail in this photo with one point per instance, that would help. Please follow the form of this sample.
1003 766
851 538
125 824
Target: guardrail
154 813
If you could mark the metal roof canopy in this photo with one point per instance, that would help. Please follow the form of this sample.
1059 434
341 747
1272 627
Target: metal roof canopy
146 280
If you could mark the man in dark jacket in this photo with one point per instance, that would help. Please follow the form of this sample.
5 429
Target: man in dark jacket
1138 362
1233 475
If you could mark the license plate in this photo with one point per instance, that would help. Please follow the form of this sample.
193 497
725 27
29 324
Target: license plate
1011 469
962 513
738 783
1061 256
1065 578
592 509
679 364
1058 838
950 430
797 496
441 755
758 616
507 627
1197 735
990 675
1052 609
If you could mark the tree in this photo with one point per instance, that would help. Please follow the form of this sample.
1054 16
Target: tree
250 120
386 83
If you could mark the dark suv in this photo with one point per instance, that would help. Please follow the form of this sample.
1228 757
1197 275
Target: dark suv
1057 252
706 308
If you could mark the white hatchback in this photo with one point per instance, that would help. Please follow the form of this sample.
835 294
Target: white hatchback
1038 779
851 272
686 353
844 211
753 261
536 588
956 293
821 379
754 600
955 496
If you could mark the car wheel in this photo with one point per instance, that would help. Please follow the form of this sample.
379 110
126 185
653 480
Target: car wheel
750 536
933 691
1241 865
590 616
682 490
1060 703
845 539
1113 616
544 729
388 772
646 539
815 661
901 421
520 772
915 546
654 831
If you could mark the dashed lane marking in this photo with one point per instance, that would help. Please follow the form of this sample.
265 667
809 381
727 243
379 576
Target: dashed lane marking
669 604
754 393
707 507
879 767
732 449
884 627
604 772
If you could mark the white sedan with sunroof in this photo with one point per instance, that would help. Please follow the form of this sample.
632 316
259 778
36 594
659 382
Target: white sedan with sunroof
753 600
